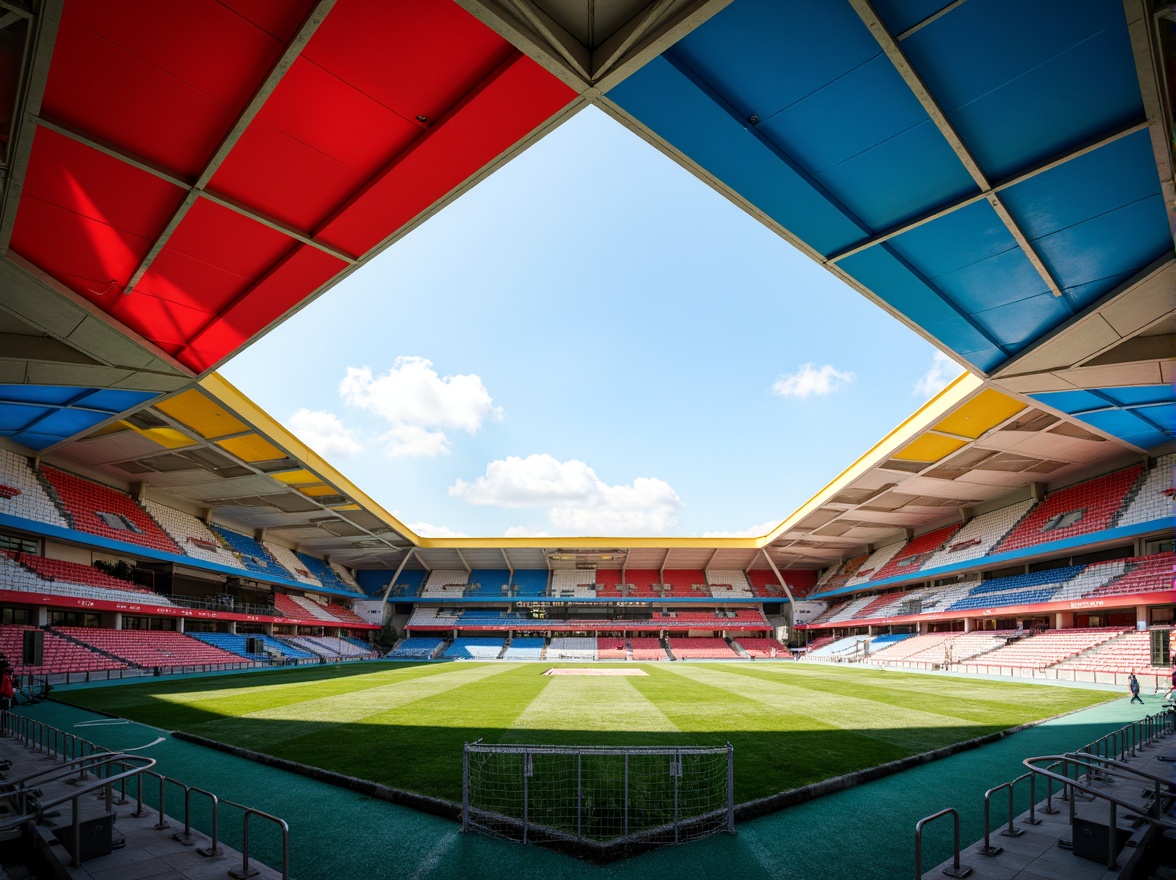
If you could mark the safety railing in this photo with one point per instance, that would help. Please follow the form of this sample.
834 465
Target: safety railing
1090 764
1078 761
107 769
73 754
956 869
1012 830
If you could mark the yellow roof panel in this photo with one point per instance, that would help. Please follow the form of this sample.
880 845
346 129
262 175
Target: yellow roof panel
112 428
929 447
206 418
251 448
320 489
294 478
984 411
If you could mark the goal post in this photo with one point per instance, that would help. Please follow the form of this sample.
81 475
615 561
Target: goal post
598 799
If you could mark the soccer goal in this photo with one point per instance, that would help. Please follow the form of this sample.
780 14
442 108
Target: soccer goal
597 800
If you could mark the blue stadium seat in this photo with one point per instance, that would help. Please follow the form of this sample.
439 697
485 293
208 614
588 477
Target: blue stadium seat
252 554
237 645
474 649
530 582
488 583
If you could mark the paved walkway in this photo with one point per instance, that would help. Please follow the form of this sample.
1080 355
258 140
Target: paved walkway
1036 854
146 852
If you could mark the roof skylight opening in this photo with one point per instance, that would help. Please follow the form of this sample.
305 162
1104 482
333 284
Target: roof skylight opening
591 341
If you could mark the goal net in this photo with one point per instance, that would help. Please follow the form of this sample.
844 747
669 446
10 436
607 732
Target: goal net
598 798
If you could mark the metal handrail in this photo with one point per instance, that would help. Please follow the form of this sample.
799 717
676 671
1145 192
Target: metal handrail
1012 830
115 758
1133 738
43 737
103 783
1113 803
956 869
1142 812
57 770
246 871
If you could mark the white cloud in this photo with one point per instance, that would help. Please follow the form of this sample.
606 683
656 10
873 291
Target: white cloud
755 531
810 379
324 433
524 532
577 500
415 441
428 530
942 370
419 404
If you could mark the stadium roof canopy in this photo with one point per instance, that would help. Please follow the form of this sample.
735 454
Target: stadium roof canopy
180 177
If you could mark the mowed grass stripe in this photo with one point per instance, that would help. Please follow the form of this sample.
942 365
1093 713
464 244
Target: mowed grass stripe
589 703
175 704
341 708
882 720
973 699
404 726
418 746
774 750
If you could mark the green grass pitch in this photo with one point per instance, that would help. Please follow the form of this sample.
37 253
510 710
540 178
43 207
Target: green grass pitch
404 724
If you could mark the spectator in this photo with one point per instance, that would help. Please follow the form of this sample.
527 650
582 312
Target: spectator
1133 685
6 695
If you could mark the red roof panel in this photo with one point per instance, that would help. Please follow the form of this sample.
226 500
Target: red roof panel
211 258
86 218
320 131
279 18
165 81
302 272
417 59
512 102
337 143
167 324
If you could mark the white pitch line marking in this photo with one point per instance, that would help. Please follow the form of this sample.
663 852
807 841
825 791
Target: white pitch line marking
102 722
433 857
156 742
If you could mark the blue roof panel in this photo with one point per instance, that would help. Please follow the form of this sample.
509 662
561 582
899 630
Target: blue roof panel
1124 424
54 395
67 422
1144 415
1018 324
1023 81
1137 395
36 440
900 178
39 416
880 269
899 15
866 138
115 401
677 108
841 150
14 417
763 56
1070 402
1093 254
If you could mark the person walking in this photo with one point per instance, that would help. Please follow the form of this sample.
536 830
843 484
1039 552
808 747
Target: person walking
6 697
1133 685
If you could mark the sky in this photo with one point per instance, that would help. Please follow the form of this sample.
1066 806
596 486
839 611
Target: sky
591 341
